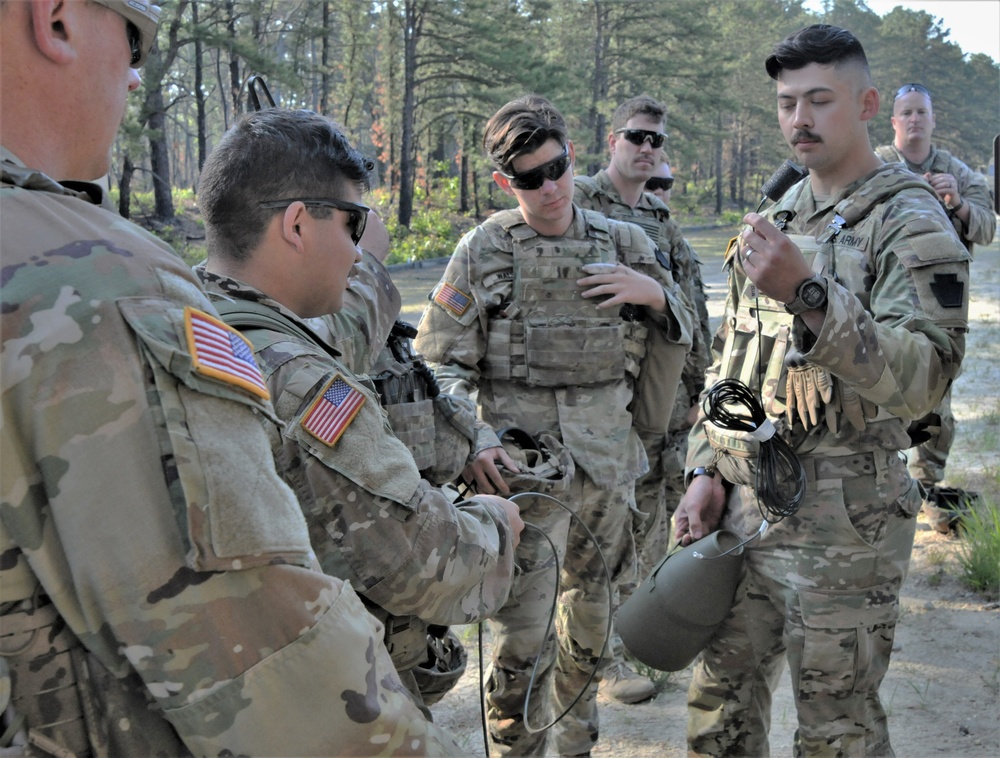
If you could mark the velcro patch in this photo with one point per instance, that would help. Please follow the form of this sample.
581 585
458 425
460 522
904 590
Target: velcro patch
221 352
948 289
333 411
453 299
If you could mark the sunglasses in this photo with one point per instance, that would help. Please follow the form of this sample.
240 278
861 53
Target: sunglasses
908 88
664 183
357 214
535 178
638 136
134 42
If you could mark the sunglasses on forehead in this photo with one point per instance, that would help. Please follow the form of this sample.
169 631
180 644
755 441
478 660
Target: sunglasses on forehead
638 136
535 178
664 183
357 214
908 88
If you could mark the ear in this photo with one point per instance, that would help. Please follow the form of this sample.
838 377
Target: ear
572 152
503 183
870 102
292 220
612 143
53 23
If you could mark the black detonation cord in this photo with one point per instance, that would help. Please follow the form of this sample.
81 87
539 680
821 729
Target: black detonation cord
779 479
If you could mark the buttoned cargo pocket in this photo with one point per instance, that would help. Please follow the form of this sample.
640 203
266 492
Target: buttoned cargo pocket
233 510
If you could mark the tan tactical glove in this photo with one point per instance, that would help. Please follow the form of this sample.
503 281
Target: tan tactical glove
807 389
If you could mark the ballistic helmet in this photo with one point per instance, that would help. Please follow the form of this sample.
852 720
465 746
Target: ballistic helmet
672 615
144 16
545 464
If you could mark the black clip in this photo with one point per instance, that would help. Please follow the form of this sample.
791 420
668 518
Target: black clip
253 100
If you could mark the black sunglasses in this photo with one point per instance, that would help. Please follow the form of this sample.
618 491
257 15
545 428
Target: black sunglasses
535 178
908 88
638 136
134 42
358 214
664 183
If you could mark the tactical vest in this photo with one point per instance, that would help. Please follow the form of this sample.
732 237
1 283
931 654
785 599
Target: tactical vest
405 636
843 253
547 335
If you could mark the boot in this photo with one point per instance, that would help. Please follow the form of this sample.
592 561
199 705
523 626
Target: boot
624 685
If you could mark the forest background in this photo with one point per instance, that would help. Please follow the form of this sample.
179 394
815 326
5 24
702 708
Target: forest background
412 82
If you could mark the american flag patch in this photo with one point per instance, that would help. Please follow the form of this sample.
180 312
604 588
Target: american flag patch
333 411
453 299
223 353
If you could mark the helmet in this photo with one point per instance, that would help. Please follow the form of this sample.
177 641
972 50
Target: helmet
146 18
545 464
672 615
446 663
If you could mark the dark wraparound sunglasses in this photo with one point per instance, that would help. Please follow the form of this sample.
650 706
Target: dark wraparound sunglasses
638 136
535 178
664 183
908 88
134 42
357 214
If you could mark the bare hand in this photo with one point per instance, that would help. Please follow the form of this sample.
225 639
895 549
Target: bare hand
513 514
484 472
946 186
624 285
700 510
772 261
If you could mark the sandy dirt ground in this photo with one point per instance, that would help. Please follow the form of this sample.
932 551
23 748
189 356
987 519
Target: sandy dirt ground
942 688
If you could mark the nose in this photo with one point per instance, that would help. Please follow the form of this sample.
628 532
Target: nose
357 253
803 116
134 80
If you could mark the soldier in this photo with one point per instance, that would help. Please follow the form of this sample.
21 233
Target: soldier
846 315
519 319
158 592
661 183
967 200
280 248
635 144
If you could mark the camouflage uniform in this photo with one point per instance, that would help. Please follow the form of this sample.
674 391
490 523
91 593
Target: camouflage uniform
929 458
506 291
658 492
822 586
413 556
158 593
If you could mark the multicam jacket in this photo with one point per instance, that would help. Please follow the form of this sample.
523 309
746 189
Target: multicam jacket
973 188
156 574
505 278
372 519
894 333
599 193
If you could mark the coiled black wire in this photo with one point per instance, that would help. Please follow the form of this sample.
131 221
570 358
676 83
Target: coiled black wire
779 478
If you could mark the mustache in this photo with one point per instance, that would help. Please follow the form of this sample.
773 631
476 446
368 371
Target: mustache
804 135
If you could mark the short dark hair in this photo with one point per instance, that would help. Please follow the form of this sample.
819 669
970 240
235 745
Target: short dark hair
273 154
640 105
819 43
522 126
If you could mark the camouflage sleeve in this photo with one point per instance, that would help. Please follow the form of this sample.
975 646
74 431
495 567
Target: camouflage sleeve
452 332
169 550
371 306
903 350
372 519
975 190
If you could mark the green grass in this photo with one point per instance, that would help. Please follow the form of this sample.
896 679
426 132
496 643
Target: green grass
979 553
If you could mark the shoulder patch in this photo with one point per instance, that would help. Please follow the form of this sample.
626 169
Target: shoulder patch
221 352
452 298
333 411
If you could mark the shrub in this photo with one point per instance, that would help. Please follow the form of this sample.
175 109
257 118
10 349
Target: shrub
979 554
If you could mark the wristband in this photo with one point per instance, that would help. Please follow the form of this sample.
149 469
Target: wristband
952 211
700 471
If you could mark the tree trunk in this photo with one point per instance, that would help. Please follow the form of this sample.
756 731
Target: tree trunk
411 21
718 164
199 92
159 158
125 187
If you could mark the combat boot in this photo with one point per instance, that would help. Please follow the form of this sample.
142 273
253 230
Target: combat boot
624 685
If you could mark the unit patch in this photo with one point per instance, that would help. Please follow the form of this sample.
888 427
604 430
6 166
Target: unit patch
948 289
453 299
333 411
221 352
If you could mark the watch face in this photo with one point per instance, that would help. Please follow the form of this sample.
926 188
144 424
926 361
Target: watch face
813 294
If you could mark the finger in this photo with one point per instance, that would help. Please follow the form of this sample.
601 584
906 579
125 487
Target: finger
508 463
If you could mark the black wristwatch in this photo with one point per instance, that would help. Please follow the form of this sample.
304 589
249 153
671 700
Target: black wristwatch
700 471
810 296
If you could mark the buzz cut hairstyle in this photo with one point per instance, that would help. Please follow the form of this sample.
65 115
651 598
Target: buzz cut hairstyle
273 154
520 127
820 43
641 105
